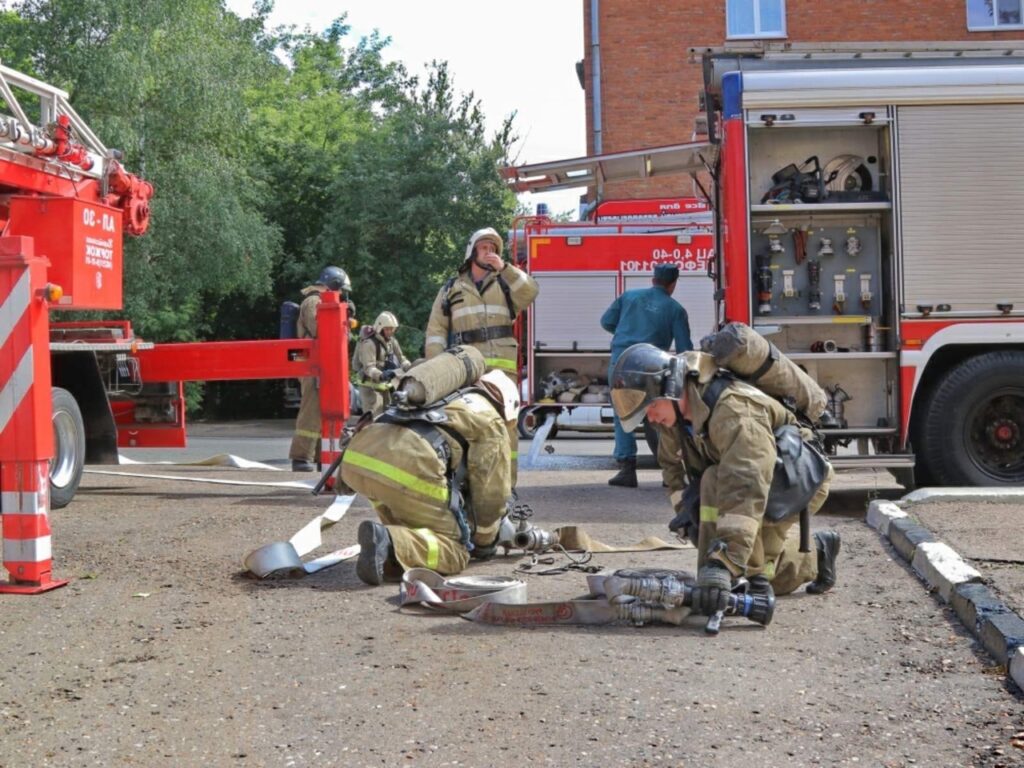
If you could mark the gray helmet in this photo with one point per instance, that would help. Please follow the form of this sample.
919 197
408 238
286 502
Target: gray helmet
336 279
642 375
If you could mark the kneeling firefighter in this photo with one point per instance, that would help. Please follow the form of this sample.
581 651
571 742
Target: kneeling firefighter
377 361
439 476
753 472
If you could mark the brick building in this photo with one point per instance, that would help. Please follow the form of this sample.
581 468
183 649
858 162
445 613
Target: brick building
647 83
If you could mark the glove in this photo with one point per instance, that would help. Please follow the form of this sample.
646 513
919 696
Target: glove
387 376
714 583
687 520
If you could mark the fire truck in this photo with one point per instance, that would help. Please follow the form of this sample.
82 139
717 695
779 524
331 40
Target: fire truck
581 268
867 223
74 392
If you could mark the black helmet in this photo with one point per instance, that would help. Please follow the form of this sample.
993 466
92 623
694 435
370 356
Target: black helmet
335 279
641 375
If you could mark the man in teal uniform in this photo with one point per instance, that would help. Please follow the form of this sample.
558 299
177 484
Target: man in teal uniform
644 316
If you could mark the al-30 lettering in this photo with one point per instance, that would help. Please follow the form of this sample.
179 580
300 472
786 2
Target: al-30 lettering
105 220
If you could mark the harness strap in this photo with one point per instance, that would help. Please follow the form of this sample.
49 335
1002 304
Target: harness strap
458 497
448 300
479 335
773 357
715 388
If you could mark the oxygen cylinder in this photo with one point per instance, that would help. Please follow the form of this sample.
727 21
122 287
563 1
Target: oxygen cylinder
746 353
289 326
438 377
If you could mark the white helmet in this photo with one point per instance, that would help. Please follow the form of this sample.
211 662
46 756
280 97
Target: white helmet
487 233
504 390
385 320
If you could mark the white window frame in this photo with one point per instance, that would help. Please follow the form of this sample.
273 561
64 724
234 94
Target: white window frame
759 34
995 26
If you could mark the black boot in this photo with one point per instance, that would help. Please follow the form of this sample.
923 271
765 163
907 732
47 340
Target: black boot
374 552
300 465
626 476
827 543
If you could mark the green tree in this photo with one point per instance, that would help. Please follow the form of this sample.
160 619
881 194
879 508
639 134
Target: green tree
409 194
165 81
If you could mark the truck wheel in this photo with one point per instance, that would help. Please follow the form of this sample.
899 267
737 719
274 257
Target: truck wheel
973 429
69 449
530 420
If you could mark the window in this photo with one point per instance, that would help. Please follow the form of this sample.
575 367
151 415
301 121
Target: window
994 14
764 18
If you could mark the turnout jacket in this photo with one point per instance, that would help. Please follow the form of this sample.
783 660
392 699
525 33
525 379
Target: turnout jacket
397 466
731 452
371 356
485 314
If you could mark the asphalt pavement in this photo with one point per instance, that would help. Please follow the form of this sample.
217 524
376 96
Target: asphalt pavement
162 653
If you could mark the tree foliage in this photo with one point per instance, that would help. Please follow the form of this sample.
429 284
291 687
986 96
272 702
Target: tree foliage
273 152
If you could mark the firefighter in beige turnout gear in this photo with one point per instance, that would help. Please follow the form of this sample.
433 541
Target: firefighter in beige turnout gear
305 445
377 360
722 435
438 477
478 307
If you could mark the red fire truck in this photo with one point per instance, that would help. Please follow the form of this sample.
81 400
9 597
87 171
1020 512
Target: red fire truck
73 392
867 220
581 268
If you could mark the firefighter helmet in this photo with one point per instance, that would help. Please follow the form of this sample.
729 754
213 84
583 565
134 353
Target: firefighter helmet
504 390
483 234
335 279
385 320
642 375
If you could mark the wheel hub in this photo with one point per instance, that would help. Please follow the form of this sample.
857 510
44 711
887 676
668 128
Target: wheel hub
1004 434
997 434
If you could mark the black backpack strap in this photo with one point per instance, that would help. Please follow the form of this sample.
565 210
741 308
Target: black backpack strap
508 297
773 357
715 388
446 302
458 495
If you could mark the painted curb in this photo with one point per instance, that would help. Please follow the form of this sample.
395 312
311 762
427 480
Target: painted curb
1017 668
963 494
942 568
882 513
996 627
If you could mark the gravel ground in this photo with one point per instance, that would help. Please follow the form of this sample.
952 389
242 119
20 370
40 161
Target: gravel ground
161 653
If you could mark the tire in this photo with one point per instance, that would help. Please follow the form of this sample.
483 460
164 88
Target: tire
651 436
530 420
68 447
972 431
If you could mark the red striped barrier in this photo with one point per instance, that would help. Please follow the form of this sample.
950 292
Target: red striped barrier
26 431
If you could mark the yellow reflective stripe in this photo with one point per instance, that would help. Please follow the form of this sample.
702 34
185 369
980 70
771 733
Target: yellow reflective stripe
768 571
708 514
437 491
515 455
433 547
500 362
307 433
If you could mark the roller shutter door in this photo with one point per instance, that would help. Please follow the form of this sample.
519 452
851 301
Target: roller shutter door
568 309
961 193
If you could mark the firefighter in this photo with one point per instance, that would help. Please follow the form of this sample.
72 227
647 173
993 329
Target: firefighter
439 478
727 435
306 440
643 316
478 307
377 360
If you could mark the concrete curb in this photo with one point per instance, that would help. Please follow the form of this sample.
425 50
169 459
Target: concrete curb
999 630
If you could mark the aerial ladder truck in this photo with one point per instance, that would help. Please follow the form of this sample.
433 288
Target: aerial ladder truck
73 392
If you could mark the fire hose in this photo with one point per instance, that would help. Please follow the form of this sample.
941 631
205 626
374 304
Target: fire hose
638 597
